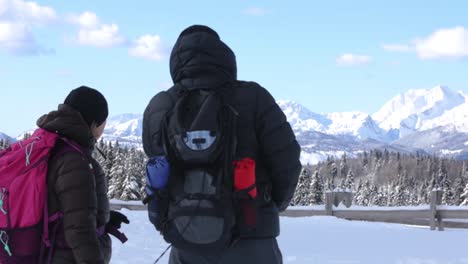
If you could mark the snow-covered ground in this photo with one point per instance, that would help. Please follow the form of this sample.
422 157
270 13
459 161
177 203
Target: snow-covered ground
322 240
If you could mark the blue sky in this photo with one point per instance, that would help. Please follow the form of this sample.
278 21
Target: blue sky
327 55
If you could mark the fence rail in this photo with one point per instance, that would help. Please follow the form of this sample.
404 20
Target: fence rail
431 216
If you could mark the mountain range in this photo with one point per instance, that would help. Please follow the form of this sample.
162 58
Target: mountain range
434 121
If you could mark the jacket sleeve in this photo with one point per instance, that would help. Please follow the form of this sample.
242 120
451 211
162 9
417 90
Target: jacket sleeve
153 115
76 190
279 148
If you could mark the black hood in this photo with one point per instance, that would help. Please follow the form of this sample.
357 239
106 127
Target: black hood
67 122
200 59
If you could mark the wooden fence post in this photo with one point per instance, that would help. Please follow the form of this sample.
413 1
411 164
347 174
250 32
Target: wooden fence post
436 199
329 198
440 223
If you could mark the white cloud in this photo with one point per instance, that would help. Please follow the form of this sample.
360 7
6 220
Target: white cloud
349 59
148 47
103 37
396 47
86 19
17 21
255 11
443 43
28 12
16 38
92 32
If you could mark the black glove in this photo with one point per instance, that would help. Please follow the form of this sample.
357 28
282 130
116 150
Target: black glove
116 219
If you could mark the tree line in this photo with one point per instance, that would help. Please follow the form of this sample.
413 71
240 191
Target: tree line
384 178
377 177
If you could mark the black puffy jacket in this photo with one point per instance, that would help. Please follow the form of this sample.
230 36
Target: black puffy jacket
77 191
200 59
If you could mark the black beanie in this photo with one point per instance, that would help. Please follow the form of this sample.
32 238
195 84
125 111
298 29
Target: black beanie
90 103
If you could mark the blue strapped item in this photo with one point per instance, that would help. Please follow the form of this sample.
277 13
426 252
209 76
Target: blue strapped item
157 174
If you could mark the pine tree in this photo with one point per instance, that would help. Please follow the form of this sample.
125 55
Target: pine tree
393 192
464 171
366 193
333 175
117 173
423 197
4 144
302 194
362 196
389 192
373 195
131 185
365 160
348 185
445 185
381 198
386 156
316 189
458 189
464 196
26 135
343 166
110 152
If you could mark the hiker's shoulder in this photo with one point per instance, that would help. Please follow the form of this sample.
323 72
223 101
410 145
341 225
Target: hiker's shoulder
161 101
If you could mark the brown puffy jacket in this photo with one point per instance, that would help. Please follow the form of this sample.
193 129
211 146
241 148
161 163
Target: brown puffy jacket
78 188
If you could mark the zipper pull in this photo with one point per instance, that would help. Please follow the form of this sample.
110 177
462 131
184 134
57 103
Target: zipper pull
5 242
2 197
1 208
7 249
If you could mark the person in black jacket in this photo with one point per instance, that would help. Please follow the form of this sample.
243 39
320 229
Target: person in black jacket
76 183
200 59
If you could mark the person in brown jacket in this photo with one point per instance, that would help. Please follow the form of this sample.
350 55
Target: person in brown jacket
77 187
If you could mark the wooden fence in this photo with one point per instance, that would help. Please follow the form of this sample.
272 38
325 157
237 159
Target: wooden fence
435 216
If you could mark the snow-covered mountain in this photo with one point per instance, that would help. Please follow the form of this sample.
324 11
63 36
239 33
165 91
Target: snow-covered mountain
423 109
356 124
4 136
125 128
442 140
434 120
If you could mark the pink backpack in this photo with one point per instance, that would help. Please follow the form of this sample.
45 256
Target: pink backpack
24 219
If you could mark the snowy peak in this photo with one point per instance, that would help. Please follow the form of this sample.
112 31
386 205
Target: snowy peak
357 124
124 127
411 109
301 118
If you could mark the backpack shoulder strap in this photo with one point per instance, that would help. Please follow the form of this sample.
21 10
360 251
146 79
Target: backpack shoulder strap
62 146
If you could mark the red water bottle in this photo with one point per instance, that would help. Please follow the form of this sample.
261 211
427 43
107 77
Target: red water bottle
244 181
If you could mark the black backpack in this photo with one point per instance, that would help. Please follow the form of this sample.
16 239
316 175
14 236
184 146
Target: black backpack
198 209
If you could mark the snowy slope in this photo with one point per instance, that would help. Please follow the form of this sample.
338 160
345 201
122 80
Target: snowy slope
5 136
357 124
321 240
456 117
410 111
125 128
302 119
444 140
